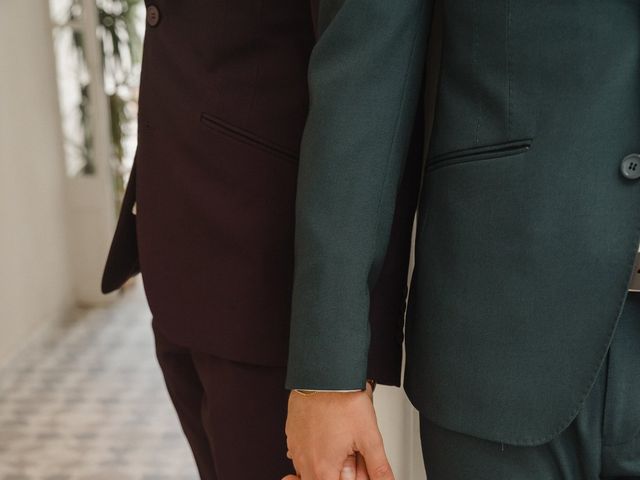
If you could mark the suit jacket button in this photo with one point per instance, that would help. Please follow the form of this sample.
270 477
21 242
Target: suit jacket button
153 15
630 166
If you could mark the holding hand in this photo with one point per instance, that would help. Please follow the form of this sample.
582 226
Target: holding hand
335 436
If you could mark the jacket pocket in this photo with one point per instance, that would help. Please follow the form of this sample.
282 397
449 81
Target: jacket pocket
247 137
483 152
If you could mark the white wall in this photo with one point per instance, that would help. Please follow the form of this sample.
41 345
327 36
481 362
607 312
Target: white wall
400 428
35 280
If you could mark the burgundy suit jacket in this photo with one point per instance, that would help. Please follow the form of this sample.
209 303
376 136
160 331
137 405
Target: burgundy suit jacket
223 101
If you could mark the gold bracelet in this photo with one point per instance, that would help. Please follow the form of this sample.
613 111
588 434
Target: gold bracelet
305 393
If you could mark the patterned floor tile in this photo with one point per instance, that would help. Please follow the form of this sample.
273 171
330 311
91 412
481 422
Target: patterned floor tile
88 402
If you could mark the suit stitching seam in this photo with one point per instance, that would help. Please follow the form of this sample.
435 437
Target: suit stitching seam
603 422
509 83
419 219
474 61
396 128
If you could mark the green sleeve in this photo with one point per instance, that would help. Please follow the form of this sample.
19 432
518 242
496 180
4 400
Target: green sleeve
365 75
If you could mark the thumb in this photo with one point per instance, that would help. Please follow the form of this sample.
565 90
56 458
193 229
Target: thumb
378 466
291 477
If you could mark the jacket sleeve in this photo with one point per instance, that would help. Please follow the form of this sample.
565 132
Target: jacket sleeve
365 76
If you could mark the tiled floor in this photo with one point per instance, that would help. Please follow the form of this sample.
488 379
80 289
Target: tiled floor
87 402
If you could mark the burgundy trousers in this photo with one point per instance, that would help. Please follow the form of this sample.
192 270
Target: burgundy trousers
232 413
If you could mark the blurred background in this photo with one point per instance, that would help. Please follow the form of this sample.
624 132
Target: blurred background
81 396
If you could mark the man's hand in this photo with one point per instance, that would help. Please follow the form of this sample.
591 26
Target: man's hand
329 435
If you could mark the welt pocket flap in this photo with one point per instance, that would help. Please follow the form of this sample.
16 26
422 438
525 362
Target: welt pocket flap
483 152
245 136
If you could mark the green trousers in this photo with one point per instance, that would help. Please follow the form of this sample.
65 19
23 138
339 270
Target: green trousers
603 441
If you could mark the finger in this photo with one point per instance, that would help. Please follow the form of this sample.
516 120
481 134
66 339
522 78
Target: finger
295 475
361 468
348 471
296 469
376 460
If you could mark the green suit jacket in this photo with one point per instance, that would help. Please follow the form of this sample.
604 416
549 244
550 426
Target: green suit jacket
527 228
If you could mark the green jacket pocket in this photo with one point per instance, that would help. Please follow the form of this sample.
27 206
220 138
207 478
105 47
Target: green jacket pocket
483 152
